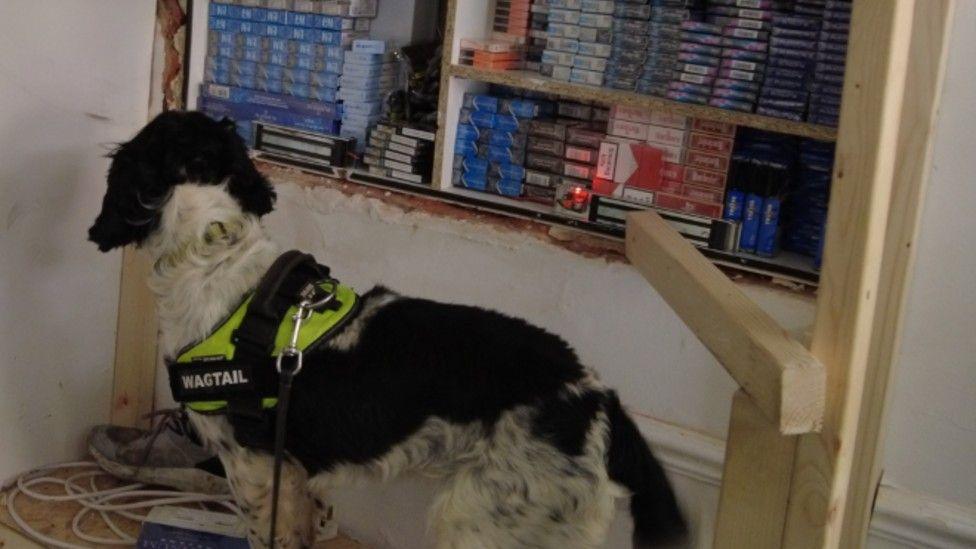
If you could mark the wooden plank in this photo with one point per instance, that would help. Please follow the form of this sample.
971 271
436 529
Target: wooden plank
923 90
867 155
446 52
755 480
528 80
134 378
134 384
11 539
780 375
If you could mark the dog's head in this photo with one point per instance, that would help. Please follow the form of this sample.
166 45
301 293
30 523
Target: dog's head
176 147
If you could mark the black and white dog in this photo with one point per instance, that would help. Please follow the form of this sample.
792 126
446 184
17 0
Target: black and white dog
531 447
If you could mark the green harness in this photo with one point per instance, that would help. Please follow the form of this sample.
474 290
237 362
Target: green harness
219 346
209 375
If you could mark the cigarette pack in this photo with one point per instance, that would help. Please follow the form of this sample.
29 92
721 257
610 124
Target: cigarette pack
707 161
637 165
705 178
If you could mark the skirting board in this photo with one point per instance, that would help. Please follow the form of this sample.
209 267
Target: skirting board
901 516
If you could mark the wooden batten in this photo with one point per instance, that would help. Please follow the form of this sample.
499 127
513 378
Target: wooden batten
134 382
926 68
777 372
849 330
755 481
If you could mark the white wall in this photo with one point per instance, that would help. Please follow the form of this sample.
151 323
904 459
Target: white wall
932 442
74 78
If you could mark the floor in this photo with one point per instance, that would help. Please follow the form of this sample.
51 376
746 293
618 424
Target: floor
54 520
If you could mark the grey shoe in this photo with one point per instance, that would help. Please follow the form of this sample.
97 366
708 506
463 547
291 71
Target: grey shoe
167 455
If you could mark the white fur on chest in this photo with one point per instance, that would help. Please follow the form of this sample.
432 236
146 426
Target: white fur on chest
210 279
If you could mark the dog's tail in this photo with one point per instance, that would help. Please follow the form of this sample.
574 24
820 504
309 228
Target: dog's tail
657 518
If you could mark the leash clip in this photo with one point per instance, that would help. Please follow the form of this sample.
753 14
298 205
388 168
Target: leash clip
305 308
292 350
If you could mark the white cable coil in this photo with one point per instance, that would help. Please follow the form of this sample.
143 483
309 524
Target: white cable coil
121 501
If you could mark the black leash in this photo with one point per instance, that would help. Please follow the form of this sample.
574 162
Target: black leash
286 374
281 424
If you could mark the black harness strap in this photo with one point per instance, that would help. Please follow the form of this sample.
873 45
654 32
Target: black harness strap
280 289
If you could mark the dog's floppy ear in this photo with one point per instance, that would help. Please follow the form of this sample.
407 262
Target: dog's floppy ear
130 208
251 189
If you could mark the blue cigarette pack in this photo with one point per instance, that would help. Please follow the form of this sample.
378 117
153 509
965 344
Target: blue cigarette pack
283 102
261 113
178 527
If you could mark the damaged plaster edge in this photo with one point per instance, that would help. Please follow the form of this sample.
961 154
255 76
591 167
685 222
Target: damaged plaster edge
168 57
394 207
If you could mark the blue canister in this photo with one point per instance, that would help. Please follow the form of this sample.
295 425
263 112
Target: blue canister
733 205
766 242
751 217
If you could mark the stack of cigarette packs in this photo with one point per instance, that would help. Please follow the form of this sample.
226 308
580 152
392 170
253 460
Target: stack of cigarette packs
511 19
402 152
491 54
663 47
280 63
490 145
828 80
665 160
562 153
629 46
370 73
563 39
537 35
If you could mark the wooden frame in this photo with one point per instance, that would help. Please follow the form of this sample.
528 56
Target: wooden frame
802 462
136 359
816 490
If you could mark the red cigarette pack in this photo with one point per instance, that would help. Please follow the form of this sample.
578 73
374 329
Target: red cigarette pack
685 204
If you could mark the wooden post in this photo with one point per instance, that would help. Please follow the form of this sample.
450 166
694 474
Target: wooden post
926 68
830 495
134 381
134 385
755 480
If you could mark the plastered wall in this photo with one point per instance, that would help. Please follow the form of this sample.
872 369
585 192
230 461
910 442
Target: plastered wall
74 79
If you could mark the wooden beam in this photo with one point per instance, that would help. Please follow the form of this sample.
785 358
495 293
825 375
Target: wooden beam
923 89
755 480
134 378
134 385
850 337
780 375
446 52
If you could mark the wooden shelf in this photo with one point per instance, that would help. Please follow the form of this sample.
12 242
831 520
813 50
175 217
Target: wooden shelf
534 81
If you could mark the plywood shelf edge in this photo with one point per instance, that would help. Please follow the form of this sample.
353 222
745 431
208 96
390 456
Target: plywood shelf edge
533 81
